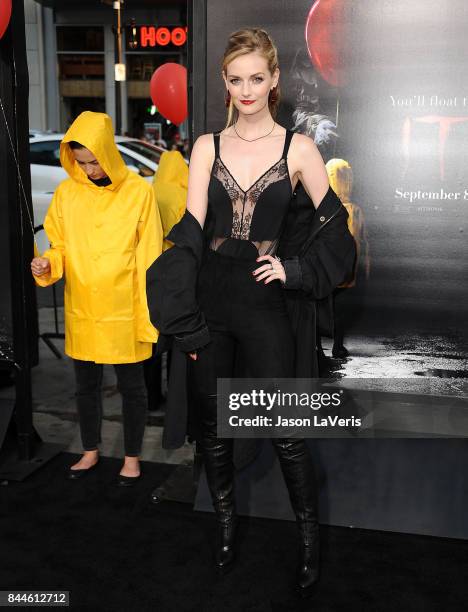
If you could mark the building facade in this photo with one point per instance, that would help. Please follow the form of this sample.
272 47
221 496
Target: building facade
72 54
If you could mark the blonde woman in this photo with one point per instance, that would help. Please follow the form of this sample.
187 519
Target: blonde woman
240 190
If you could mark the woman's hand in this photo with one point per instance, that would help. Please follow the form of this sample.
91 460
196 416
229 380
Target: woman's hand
40 266
193 356
270 271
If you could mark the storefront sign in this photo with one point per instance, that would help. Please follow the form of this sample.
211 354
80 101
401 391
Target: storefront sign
154 36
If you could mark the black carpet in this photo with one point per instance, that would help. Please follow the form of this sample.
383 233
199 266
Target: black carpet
114 550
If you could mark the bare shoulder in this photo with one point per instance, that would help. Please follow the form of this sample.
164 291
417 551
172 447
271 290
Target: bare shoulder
204 144
304 154
203 150
204 140
304 145
307 162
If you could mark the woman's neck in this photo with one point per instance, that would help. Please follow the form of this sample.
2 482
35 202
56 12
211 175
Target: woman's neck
253 126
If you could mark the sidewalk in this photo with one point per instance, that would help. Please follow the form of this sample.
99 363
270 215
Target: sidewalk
55 418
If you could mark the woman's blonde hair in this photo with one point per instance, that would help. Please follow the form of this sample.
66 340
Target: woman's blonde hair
246 41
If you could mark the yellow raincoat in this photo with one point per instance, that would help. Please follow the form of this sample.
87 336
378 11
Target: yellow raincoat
103 239
170 186
340 175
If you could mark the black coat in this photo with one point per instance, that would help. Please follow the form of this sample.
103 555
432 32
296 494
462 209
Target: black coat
318 254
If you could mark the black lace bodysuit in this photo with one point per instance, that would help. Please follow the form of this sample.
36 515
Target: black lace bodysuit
248 223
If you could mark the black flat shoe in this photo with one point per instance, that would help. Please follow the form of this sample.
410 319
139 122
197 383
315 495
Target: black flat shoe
75 474
127 481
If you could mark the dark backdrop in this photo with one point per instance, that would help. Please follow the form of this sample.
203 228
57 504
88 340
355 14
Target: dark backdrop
417 283
396 49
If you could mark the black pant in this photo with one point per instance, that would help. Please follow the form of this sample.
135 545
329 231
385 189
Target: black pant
130 383
152 371
250 328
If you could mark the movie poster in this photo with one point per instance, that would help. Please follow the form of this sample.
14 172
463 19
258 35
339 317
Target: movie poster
382 87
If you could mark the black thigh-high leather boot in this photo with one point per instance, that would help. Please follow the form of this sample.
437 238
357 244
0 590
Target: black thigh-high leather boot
298 471
217 455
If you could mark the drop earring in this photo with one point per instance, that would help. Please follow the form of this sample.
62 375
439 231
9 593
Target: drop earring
273 95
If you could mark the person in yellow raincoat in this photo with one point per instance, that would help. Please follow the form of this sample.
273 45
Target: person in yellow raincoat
170 186
105 232
340 174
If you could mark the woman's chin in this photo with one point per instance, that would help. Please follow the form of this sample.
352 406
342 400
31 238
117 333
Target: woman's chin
251 109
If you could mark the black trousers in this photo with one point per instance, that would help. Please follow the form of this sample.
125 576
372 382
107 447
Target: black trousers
250 330
248 322
130 383
152 372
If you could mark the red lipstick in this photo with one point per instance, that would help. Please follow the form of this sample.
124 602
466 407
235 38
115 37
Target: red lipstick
247 101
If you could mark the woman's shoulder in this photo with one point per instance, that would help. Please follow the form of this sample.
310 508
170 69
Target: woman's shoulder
304 148
302 143
204 143
203 146
204 138
203 151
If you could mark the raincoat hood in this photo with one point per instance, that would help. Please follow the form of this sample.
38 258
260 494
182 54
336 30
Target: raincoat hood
340 175
95 132
172 169
170 188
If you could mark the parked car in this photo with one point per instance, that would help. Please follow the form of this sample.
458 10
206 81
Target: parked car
46 171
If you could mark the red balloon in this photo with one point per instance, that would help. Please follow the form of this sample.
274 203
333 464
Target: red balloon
168 89
326 35
5 14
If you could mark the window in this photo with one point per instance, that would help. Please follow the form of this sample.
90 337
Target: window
46 153
140 66
143 170
81 66
143 149
80 38
80 53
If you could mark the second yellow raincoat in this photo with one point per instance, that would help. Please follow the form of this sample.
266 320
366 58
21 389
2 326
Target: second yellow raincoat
103 239
340 175
170 186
